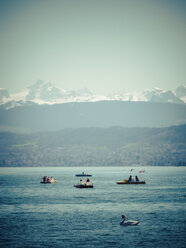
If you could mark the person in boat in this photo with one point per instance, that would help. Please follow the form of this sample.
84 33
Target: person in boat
88 181
130 179
81 182
45 179
52 179
124 217
137 179
49 179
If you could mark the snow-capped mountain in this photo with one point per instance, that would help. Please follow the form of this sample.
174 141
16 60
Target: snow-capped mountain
159 95
150 95
47 93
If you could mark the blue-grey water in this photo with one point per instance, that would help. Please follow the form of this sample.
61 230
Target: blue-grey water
59 215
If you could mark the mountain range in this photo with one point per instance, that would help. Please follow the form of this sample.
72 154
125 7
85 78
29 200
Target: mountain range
46 126
43 107
46 93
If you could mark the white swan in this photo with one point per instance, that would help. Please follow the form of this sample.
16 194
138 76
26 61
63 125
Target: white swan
125 222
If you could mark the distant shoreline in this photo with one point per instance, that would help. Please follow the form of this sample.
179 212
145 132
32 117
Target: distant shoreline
79 166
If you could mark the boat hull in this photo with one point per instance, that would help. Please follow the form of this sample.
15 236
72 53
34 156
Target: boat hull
83 186
48 182
83 175
141 182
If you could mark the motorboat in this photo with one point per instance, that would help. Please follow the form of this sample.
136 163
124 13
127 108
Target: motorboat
131 182
48 180
142 171
129 223
83 174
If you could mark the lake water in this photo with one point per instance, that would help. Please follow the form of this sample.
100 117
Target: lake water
59 215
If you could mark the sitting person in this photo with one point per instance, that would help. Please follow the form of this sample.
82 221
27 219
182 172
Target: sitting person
130 179
81 182
137 179
52 179
88 181
45 179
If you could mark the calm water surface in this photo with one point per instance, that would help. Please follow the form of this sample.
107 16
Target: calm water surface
59 215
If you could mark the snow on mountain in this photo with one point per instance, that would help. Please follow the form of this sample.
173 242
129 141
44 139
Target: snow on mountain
128 96
150 95
47 93
159 95
44 92
181 92
3 95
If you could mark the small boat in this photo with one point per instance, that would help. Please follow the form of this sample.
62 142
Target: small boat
54 181
83 186
83 175
131 182
48 180
142 171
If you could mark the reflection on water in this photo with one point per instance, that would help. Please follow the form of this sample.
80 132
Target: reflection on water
59 215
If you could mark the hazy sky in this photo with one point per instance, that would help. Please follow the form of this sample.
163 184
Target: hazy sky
105 45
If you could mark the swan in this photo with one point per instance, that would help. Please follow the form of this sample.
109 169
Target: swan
126 222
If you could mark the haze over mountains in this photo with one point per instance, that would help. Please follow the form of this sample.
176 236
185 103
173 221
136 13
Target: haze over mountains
43 107
47 93
46 126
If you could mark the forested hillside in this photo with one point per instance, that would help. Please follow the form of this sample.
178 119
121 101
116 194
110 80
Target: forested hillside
114 146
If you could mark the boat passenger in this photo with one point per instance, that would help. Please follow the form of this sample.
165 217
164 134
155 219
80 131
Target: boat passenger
88 181
81 182
130 179
52 179
45 179
137 179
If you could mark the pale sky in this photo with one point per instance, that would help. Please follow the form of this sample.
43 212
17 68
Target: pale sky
105 45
